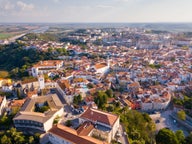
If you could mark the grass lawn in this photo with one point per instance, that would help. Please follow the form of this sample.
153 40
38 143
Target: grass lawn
5 35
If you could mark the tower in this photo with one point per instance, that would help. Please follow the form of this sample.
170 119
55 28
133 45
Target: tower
108 62
41 81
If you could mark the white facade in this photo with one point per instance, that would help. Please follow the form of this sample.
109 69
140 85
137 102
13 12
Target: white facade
41 82
57 140
146 106
68 98
3 105
43 68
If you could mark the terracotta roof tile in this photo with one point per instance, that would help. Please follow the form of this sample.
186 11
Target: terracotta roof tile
100 116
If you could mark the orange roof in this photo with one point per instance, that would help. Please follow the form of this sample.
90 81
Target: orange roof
64 84
17 103
99 116
100 65
72 136
48 63
85 129
31 93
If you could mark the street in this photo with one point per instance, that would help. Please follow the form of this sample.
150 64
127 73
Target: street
123 138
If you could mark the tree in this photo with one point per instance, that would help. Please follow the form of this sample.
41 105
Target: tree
181 115
166 136
68 123
138 142
110 108
4 74
137 126
90 85
31 139
77 99
5 140
100 99
180 136
109 93
17 137
188 139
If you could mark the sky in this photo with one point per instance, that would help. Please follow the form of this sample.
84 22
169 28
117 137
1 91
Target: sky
117 11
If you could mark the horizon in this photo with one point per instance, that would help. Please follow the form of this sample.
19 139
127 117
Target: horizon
101 11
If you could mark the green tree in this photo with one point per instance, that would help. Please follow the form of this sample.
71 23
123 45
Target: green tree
166 136
180 136
31 140
110 108
68 123
181 115
188 139
109 93
138 142
17 137
5 140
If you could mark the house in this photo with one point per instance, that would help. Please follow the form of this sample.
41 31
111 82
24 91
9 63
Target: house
106 124
66 90
3 102
43 67
61 134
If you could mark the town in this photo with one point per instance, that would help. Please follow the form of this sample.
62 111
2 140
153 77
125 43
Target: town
93 80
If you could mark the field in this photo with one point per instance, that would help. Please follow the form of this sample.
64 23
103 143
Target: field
6 35
10 30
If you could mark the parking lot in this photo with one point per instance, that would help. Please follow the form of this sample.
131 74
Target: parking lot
164 120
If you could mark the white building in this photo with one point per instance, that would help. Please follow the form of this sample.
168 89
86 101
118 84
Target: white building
103 120
3 102
153 103
61 134
41 82
43 67
28 118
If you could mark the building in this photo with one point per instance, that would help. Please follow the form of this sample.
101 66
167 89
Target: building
28 118
156 102
3 102
106 124
43 67
66 90
64 135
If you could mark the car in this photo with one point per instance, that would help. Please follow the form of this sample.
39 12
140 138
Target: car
157 121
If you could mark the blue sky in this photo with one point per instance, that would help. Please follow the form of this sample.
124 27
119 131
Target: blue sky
95 11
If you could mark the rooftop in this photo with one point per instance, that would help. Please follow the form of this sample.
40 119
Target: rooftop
72 136
27 113
99 116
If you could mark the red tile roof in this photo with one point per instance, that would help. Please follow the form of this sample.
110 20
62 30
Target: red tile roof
71 135
99 116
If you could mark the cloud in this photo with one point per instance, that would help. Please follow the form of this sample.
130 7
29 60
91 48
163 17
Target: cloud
104 6
25 6
56 1
8 6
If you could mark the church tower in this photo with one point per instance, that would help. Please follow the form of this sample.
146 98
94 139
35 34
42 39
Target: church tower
41 81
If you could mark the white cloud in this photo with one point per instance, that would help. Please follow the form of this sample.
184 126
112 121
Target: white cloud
104 6
8 6
56 1
25 6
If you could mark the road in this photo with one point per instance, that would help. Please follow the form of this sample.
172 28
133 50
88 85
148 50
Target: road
123 138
